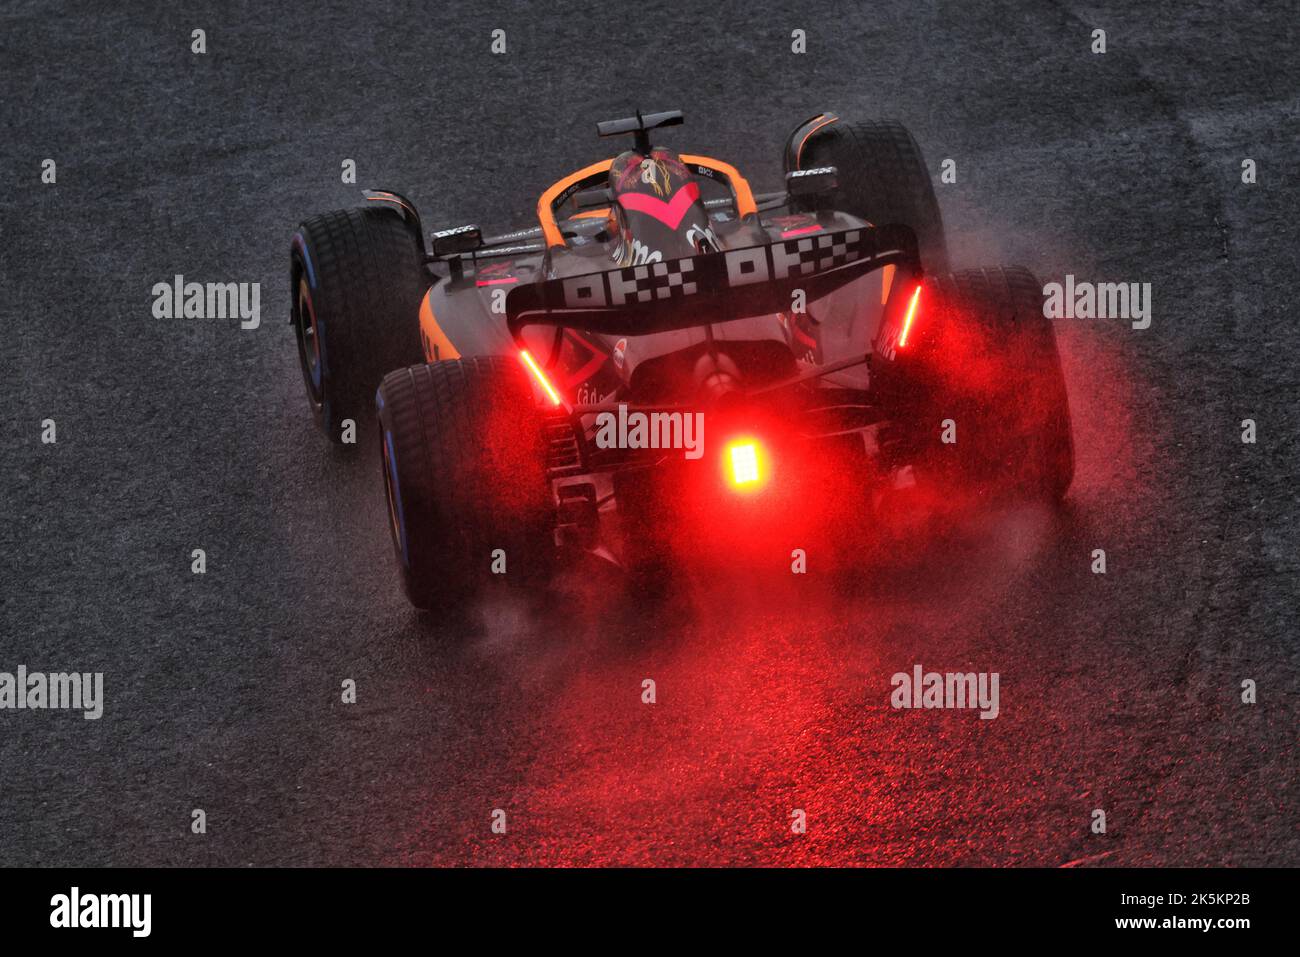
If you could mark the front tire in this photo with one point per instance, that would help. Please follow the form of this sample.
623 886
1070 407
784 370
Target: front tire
464 475
357 279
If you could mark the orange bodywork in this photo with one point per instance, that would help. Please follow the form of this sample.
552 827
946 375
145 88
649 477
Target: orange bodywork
436 344
546 215
886 282
825 121
745 205
383 197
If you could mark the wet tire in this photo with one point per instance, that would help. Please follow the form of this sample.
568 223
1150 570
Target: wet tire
982 367
357 277
465 480
883 179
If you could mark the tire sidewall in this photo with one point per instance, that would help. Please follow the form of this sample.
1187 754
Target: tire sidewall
357 338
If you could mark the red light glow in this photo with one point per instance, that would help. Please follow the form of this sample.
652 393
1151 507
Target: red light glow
540 376
907 320
743 458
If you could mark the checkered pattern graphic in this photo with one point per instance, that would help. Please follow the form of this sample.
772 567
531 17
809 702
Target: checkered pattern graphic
820 253
661 280
677 278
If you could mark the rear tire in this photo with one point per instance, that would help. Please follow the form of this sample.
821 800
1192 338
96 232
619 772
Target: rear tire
883 179
357 279
464 475
984 356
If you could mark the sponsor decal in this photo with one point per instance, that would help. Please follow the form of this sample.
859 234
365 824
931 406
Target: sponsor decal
496 274
799 224
642 254
455 231
678 277
503 251
633 252
589 395
820 170
519 234
801 231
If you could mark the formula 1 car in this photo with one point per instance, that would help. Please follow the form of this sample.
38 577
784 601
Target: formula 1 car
552 388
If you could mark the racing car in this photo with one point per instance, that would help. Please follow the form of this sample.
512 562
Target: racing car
535 388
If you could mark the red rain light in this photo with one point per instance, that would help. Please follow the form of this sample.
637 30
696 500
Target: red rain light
907 320
743 457
540 376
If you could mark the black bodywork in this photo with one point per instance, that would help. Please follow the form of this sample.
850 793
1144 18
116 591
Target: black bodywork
722 309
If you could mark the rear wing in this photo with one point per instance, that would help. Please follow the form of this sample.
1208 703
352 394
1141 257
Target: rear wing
709 287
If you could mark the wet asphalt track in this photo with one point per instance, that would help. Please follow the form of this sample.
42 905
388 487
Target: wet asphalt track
1118 692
